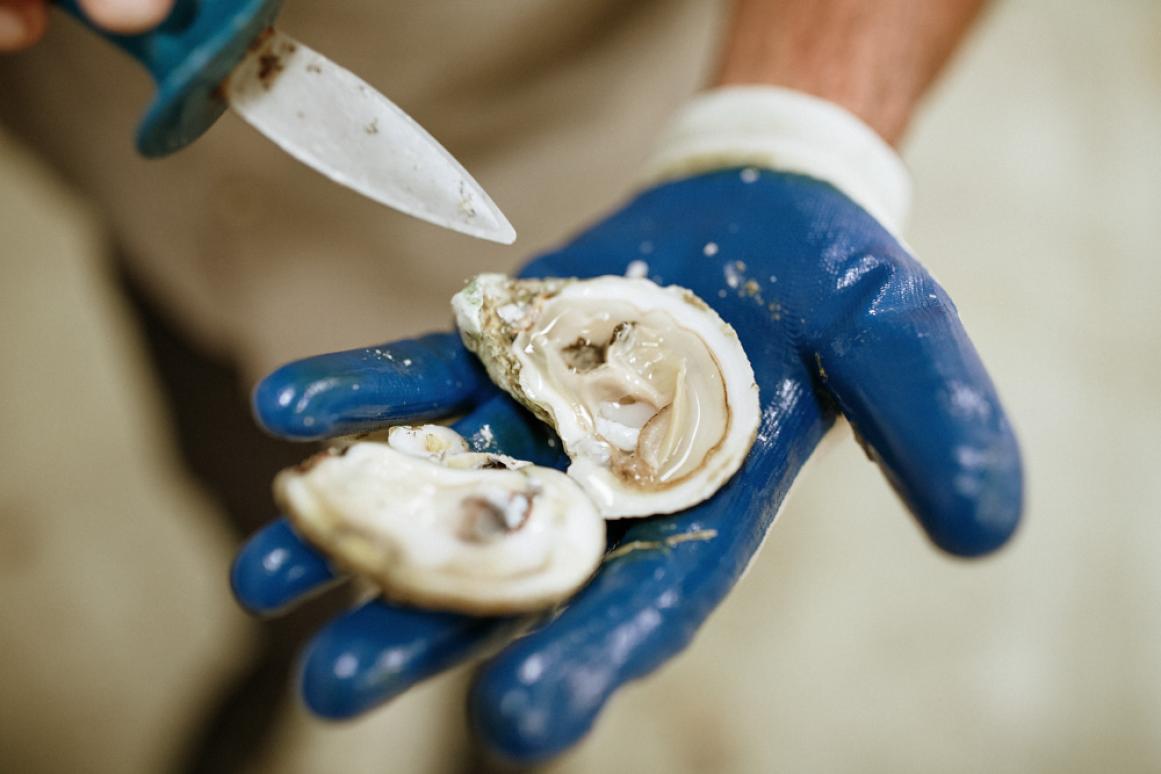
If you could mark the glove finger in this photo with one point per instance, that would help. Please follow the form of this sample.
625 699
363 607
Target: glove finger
375 652
541 694
903 371
361 389
276 569
370 655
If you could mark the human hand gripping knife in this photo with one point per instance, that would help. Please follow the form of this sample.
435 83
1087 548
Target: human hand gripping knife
781 211
210 54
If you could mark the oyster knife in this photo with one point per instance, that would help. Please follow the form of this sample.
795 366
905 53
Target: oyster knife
212 54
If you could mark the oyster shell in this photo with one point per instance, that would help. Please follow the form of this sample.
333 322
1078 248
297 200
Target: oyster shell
438 525
648 388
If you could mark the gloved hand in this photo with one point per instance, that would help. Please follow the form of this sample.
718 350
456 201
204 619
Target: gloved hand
836 316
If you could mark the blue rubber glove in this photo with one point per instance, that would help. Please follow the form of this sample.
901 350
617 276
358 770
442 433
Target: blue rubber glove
835 315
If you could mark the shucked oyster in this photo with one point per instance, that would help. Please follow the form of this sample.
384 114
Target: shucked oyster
648 388
435 524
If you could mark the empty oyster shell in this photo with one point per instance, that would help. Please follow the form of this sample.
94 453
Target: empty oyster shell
648 388
437 525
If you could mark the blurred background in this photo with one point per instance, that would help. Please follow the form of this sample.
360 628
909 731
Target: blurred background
850 645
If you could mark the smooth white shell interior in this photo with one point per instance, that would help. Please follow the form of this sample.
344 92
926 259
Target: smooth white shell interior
434 523
648 388
646 391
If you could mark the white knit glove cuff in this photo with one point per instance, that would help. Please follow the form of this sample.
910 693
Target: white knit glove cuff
788 131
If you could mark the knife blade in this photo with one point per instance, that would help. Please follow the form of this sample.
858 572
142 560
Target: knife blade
329 119
212 53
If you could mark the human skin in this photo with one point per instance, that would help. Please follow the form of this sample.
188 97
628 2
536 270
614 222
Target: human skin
23 22
876 58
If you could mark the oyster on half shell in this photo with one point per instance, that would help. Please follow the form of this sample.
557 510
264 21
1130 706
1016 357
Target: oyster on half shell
648 388
435 524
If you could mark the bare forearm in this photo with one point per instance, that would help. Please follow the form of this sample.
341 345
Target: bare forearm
874 57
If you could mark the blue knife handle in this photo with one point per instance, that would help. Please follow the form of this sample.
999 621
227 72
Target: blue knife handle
188 55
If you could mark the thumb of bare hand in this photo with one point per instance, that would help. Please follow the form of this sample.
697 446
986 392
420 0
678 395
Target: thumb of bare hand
127 16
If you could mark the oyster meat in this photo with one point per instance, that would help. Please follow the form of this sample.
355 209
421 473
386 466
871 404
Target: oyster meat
648 388
436 524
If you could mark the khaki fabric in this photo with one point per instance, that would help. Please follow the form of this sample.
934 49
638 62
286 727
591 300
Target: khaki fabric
551 104
115 632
